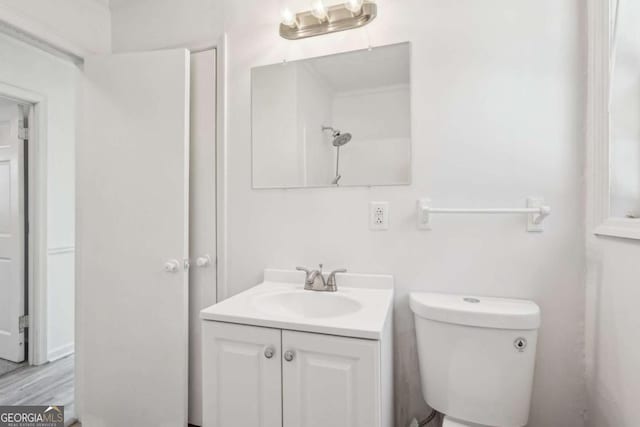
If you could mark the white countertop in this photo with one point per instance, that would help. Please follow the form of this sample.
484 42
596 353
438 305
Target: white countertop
374 293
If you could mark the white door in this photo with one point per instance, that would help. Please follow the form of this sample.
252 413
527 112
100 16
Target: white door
202 215
12 239
132 239
242 376
330 381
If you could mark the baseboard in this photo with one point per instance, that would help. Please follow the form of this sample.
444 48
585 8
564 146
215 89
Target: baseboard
60 352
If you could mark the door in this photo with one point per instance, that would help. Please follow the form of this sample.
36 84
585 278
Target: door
132 240
12 237
202 215
330 381
242 376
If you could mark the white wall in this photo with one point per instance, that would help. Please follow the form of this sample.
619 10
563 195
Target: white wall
80 27
614 352
496 115
154 24
60 302
54 79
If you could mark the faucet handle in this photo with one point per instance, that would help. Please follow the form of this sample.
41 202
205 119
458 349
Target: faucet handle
308 281
306 270
331 280
340 270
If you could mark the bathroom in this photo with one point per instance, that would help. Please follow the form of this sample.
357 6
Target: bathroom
507 101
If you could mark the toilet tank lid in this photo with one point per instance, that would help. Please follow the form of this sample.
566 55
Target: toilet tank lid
487 312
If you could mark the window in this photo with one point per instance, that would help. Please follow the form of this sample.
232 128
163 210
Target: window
613 122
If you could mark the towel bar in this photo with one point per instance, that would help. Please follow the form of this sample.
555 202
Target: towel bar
536 210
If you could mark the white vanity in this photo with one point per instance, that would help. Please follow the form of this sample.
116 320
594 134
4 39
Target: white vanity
280 355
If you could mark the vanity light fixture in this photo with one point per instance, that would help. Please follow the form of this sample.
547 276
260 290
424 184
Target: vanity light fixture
319 10
288 18
354 6
324 20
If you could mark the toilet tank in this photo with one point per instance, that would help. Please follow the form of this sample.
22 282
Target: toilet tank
477 356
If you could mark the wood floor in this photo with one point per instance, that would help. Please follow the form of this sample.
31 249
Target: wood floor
6 366
49 384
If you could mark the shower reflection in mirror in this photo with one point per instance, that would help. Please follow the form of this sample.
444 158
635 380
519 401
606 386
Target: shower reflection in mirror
338 140
338 120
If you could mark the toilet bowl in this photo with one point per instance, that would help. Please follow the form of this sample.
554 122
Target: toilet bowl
476 357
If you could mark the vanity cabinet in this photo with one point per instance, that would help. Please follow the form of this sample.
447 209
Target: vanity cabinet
257 376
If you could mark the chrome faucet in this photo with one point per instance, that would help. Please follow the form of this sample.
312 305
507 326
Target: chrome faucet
314 279
332 285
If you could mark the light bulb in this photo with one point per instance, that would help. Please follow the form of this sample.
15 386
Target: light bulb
354 6
288 18
319 10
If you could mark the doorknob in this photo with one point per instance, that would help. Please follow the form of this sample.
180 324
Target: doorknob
171 266
203 261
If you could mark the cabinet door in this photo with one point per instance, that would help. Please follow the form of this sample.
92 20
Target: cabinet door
331 381
202 215
242 380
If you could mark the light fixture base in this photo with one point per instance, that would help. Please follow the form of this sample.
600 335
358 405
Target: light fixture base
339 18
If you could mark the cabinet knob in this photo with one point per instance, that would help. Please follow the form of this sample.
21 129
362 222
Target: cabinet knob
203 261
172 266
269 352
289 355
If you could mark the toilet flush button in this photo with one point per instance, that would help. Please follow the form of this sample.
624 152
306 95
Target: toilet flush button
520 344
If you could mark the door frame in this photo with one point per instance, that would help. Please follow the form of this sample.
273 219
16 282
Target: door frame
37 217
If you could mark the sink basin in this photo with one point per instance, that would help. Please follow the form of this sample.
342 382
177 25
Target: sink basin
359 309
306 304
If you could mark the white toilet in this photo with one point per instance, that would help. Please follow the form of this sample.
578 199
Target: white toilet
477 357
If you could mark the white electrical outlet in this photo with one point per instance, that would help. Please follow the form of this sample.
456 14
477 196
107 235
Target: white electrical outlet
378 215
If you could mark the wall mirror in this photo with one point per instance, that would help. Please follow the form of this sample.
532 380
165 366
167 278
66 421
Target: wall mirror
338 120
